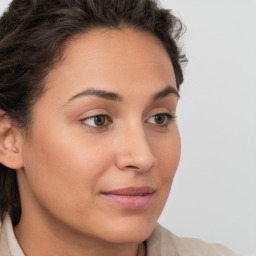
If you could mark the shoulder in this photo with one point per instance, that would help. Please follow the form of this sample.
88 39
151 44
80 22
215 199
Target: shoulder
8 243
163 242
4 250
3 241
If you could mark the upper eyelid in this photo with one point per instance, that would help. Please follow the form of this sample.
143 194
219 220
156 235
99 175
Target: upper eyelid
83 121
168 115
93 115
147 117
160 112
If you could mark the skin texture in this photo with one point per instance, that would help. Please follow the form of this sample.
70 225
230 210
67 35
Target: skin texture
67 163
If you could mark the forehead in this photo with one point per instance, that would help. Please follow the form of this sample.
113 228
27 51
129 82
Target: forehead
120 59
117 45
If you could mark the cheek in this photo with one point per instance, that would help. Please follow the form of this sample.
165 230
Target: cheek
68 168
168 153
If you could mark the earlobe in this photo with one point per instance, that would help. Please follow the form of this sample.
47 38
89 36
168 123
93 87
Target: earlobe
10 148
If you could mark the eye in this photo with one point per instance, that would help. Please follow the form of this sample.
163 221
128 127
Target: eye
160 119
97 121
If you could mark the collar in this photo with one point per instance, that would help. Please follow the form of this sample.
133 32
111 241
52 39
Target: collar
8 243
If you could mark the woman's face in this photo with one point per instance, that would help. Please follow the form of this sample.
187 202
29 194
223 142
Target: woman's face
104 144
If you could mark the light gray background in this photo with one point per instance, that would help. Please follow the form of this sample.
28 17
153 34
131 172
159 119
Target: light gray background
214 192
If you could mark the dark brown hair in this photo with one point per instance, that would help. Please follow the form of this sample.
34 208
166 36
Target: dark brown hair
32 36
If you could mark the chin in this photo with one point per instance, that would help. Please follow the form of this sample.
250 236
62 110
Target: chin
129 231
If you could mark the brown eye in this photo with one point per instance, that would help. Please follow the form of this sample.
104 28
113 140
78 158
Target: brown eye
160 119
97 121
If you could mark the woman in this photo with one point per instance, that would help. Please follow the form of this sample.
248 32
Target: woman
89 144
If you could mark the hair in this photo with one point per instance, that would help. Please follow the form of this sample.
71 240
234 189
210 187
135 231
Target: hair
32 38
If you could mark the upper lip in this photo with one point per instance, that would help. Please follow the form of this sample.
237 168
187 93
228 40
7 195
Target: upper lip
131 191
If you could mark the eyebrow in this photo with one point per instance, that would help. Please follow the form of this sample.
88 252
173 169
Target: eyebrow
116 97
165 92
99 93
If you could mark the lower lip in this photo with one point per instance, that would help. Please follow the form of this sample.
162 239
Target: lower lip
131 202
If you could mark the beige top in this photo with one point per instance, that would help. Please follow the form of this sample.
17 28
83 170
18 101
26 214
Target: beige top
161 243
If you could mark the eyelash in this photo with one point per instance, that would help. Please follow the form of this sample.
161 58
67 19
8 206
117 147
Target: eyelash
83 121
168 119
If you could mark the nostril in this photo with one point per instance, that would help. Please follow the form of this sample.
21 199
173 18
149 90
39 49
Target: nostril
132 167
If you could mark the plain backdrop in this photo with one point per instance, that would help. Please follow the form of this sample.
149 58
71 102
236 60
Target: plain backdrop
214 192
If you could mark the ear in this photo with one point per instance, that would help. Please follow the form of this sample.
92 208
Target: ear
10 143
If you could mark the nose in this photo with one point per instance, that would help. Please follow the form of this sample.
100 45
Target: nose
134 152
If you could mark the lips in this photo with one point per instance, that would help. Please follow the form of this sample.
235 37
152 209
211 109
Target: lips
131 197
